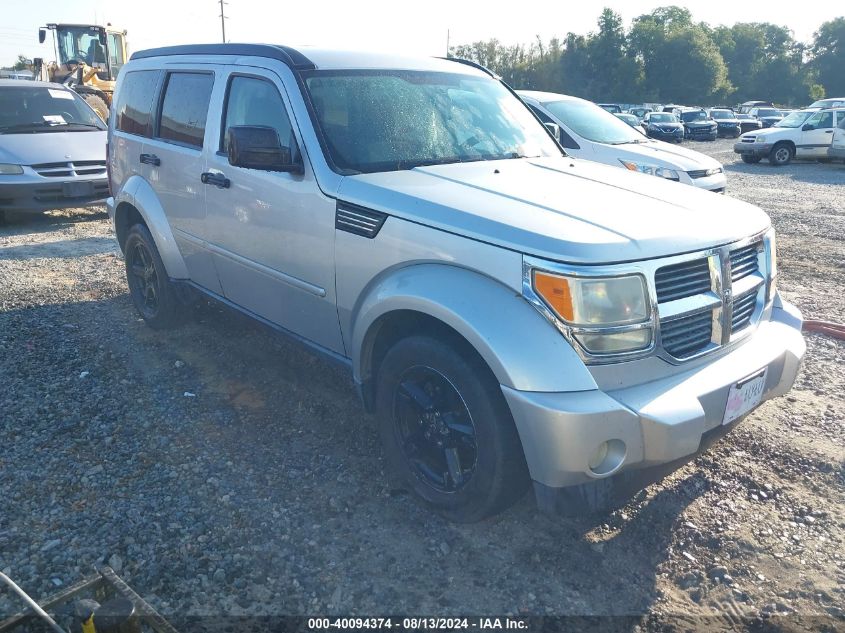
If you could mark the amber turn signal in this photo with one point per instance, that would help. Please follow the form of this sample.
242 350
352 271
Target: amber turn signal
555 291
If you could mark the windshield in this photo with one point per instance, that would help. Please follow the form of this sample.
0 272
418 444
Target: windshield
662 117
828 103
389 120
80 44
721 114
593 123
630 119
768 112
796 119
698 115
48 108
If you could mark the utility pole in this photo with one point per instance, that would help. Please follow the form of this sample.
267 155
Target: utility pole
223 20
447 43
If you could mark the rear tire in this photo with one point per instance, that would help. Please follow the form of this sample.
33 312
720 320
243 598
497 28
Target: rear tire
154 296
750 159
446 429
781 154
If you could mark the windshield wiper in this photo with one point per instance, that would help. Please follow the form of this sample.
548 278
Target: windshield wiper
40 125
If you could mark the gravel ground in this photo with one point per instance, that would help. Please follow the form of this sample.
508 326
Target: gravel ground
223 472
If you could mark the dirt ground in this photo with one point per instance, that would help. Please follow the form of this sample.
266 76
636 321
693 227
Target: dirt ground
223 472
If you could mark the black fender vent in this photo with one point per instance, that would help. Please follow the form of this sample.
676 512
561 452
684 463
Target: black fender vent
358 220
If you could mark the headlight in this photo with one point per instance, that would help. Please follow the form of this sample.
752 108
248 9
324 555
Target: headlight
652 170
10 170
606 315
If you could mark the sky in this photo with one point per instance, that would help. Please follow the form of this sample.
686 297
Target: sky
415 28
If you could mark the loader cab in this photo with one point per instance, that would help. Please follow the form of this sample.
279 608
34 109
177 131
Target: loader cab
97 47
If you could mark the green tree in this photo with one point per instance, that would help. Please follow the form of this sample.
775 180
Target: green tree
693 70
828 56
23 63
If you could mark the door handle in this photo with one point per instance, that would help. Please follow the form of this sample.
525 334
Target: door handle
218 180
828 131
150 159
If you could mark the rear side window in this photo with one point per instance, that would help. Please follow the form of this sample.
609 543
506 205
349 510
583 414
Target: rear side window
135 102
185 108
256 102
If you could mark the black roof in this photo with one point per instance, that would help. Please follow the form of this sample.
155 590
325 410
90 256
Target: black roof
285 54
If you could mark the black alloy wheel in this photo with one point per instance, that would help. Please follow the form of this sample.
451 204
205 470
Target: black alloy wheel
435 429
143 279
153 294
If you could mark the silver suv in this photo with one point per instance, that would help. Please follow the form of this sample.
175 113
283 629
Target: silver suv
511 314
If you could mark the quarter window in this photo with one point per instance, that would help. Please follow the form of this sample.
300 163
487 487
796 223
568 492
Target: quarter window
135 102
185 108
257 102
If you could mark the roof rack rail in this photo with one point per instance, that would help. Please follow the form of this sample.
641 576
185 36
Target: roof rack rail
285 54
476 65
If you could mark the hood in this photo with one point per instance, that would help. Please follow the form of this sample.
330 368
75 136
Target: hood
668 125
52 147
559 208
699 123
772 133
664 155
734 121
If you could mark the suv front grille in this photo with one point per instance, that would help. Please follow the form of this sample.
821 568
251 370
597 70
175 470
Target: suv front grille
743 309
687 335
705 300
744 262
71 169
682 280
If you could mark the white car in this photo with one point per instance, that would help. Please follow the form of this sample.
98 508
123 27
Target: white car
587 131
835 102
804 134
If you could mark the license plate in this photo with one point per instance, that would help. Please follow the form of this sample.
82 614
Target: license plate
745 395
78 189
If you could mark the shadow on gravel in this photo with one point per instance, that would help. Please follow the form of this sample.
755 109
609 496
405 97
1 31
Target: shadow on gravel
18 223
61 249
803 171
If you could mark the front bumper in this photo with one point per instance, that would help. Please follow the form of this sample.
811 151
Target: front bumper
728 130
35 194
716 183
661 424
755 149
661 135
702 133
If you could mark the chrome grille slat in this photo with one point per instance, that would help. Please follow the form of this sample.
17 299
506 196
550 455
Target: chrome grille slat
687 335
703 296
682 280
70 169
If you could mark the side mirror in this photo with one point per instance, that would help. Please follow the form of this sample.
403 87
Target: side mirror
101 35
554 128
42 35
258 147
808 127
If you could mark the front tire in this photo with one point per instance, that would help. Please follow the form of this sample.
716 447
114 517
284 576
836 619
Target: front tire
97 104
153 294
446 429
781 154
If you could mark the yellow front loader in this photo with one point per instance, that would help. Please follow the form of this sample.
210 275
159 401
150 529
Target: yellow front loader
88 58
